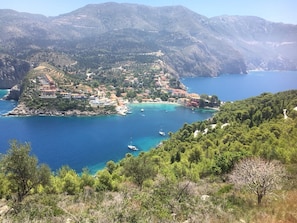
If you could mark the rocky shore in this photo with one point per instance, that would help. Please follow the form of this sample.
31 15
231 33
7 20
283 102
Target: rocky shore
14 93
23 110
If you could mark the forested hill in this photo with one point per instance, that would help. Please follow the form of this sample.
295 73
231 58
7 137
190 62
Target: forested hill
186 179
253 127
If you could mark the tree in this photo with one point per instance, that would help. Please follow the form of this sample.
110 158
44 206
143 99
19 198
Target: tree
103 181
111 166
139 169
70 180
23 171
4 186
214 100
177 156
86 179
258 175
195 156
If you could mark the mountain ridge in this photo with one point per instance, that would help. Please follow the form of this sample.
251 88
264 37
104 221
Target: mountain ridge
193 45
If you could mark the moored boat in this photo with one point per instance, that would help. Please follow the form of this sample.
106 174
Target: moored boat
132 147
162 133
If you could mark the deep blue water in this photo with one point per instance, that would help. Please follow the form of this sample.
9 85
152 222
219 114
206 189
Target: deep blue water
238 87
92 141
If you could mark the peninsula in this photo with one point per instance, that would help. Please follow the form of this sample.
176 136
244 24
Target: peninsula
49 91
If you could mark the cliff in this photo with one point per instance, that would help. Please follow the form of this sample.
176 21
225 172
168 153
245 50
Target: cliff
12 71
14 93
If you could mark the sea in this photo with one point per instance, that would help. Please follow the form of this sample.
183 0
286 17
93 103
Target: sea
90 142
234 87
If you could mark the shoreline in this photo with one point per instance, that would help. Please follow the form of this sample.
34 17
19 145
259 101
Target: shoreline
176 104
22 111
155 103
5 95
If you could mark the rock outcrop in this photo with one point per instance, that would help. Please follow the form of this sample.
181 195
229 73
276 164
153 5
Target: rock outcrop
14 93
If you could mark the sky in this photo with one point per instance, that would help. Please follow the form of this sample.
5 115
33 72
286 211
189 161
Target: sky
284 11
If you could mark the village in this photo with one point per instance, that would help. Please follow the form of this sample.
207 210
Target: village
107 96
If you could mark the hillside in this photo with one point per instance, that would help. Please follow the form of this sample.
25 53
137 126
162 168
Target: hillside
264 44
192 45
12 70
47 90
185 179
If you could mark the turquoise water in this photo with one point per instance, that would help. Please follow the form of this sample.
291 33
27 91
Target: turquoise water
92 141
3 93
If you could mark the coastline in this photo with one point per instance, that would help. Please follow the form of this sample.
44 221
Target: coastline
155 103
142 105
2 97
22 111
126 108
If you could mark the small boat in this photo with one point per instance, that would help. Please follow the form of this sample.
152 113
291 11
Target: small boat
162 133
132 147
142 110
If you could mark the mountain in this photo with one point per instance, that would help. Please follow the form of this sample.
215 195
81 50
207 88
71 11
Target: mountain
263 44
191 44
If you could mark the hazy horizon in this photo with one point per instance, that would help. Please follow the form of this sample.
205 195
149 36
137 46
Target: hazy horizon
272 10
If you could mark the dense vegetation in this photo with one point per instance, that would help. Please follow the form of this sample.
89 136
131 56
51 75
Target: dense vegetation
184 179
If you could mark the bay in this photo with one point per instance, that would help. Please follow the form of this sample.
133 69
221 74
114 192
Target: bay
238 87
92 141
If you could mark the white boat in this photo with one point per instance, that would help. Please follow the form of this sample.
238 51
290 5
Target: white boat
132 147
162 133
142 110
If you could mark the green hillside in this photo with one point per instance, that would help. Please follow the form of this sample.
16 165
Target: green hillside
185 179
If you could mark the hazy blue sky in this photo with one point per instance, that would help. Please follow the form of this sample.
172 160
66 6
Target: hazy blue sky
272 10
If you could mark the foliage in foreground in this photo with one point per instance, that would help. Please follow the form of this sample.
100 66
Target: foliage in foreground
22 171
184 179
259 176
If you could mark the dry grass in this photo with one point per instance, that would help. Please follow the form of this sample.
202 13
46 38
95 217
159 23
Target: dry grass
275 208
281 210
127 206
